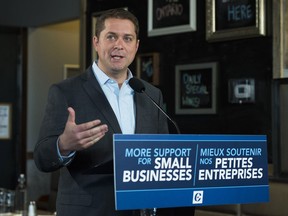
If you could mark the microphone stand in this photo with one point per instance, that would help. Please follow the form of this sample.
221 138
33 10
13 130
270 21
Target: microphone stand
148 212
171 120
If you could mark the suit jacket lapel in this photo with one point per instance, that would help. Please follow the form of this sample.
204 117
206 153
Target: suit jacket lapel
96 94
141 112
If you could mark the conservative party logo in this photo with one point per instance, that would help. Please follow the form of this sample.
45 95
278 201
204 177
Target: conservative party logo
197 197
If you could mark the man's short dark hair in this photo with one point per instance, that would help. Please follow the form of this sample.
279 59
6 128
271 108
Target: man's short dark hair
118 13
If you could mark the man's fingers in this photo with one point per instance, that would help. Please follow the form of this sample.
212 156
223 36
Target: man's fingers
89 126
87 142
96 131
71 117
88 130
84 126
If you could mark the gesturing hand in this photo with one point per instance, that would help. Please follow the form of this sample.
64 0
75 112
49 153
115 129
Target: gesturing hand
78 137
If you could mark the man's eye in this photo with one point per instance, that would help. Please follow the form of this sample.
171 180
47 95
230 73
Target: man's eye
111 37
128 39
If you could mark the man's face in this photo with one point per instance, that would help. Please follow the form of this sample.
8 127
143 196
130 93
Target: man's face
116 46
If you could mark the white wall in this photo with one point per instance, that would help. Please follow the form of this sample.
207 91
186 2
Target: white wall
49 48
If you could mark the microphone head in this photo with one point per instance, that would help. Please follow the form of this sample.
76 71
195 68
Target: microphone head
136 85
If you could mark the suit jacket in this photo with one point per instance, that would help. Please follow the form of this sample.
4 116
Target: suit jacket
81 192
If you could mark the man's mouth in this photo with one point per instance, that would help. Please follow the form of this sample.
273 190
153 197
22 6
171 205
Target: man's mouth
117 57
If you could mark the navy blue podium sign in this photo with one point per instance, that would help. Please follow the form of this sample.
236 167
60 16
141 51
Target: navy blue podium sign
189 170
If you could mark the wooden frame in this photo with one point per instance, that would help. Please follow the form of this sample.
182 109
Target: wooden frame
280 39
170 17
148 67
71 70
5 120
196 88
244 20
94 21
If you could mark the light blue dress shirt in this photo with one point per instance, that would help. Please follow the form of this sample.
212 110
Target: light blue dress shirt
120 99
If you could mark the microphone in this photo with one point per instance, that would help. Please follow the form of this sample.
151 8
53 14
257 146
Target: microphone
139 87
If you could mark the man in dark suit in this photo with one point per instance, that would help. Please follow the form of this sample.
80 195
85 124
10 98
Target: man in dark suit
84 112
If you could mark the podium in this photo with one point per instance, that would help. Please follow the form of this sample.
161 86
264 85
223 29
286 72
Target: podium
176 170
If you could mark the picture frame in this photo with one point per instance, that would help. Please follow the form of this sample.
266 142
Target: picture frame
196 88
5 120
93 27
225 22
171 17
71 70
148 67
280 39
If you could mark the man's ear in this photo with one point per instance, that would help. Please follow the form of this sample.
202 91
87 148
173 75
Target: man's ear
95 42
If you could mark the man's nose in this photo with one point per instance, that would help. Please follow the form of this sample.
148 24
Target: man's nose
118 44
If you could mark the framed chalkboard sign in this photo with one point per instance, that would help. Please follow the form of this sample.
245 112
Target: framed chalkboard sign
5 120
171 16
195 88
234 19
280 39
148 67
